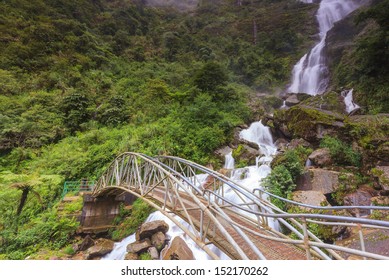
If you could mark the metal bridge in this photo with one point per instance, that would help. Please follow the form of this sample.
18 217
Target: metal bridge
241 223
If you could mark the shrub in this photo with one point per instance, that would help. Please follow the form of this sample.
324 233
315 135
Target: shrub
341 153
280 182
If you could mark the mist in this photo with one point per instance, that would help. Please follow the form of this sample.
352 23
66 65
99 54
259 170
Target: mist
178 4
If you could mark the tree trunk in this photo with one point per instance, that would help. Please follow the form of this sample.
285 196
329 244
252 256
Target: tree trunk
23 200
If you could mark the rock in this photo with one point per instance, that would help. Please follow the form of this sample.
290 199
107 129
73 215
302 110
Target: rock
178 250
158 240
146 230
139 247
246 154
281 144
131 257
383 151
308 122
341 232
86 243
101 248
153 253
322 180
361 197
292 100
80 256
314 198
380 200
222 152
382 175
299 142
321 157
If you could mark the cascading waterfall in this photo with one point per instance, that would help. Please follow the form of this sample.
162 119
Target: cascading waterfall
310 74
251 176
229 162
348 101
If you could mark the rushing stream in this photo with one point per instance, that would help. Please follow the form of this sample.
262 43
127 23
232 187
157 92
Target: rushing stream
310 74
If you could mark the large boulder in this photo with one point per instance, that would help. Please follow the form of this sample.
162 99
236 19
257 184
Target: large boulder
86 243
321 180
321 157
298 142
146 230
101 248
307 122
292 100
361 197
245 154
178 250
313 198
139 247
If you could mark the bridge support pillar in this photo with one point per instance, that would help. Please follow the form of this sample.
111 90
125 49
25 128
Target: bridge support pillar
99 213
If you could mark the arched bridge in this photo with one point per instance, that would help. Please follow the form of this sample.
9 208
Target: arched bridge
240 222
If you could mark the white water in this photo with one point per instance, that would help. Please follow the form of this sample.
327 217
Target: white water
310 74
252 176
229 162
120 248
349 102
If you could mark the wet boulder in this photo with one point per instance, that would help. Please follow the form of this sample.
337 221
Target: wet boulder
178 250
321 157
146 230
101 248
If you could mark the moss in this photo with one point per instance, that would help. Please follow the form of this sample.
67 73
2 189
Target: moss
302 121
236 153
328 101
145 257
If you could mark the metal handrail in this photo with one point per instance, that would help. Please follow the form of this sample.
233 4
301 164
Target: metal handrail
145 173
343 207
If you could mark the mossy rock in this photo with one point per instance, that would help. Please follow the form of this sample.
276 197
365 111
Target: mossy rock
331 101
305 121
244 155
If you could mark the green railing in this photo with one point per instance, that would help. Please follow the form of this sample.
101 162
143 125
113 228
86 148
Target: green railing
77 186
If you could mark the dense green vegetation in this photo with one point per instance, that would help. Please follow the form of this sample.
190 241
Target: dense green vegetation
365 65
82 81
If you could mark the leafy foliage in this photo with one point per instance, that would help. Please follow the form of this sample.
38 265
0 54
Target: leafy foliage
139 212
280 182
341 153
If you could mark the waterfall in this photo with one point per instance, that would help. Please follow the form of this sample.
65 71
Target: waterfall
251 176
229 161
310 74
348 101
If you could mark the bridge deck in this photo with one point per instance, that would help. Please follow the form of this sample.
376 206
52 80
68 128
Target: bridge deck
270 249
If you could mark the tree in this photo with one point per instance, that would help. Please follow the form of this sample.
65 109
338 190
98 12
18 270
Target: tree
75 108
211 76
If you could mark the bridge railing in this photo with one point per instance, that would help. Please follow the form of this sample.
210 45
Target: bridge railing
164 189
164 182
76 187
298 223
